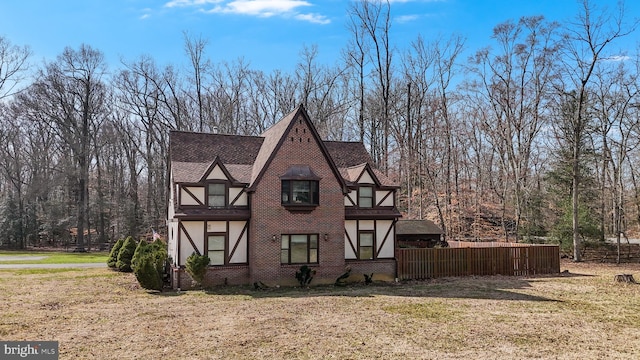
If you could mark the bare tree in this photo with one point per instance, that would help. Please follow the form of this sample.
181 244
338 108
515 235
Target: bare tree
516 83
587 37
617 126
195 49
374 19
70 95
13 66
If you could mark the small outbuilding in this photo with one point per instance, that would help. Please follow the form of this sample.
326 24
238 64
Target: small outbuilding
418 234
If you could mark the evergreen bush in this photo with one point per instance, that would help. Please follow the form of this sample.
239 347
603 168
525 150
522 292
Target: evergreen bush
126 254
141 250
113 255
197 267
148 264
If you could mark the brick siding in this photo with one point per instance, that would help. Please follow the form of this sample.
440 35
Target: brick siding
269 217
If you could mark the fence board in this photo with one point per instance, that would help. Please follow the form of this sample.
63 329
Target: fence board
464 261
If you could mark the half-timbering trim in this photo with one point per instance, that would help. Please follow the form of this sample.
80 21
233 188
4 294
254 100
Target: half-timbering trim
389 193
184 229
238 240
193 196
386 236
235 199
346 233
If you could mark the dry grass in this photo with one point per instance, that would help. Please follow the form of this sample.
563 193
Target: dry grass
99 314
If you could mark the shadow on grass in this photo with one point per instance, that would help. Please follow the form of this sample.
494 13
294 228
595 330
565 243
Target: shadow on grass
488 288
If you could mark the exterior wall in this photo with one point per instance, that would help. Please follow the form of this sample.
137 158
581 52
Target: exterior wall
384 198
237 238
351 199
238 242
382 270
188 199
384 234
194 230
216 174
239 195
172 227
227 275
366 178
269 217
172 242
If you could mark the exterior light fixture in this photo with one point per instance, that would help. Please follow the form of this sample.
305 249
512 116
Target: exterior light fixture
326 237
274 237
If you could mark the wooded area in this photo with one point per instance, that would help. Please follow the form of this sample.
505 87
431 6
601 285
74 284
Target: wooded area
534 136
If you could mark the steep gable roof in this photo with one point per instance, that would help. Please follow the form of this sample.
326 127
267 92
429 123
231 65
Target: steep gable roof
203 148
192 154
246 157
348 153
352 158
273 139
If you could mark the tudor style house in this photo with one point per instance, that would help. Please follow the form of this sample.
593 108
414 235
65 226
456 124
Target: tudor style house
262 206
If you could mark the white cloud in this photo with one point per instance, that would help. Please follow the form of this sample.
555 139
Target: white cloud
406 18
259 8
146 13
617 58
188 3
314 18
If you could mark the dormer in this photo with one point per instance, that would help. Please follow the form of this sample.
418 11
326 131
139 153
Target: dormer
366 190
213 187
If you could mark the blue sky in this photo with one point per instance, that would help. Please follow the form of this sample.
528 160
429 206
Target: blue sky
268 34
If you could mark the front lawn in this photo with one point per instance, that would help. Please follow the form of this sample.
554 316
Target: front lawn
50 257
103 314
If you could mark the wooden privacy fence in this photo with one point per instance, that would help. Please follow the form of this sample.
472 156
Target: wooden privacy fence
504 260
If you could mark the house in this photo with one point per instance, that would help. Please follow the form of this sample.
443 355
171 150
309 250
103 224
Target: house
262 206
418 233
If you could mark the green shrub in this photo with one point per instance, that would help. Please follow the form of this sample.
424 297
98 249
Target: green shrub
113 255
141 250
148 264
197 267
147 273
126 254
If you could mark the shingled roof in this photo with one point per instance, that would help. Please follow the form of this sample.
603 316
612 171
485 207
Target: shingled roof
245 157
204 148
417 227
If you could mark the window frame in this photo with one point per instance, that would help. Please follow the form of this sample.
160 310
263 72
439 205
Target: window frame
372 246
314 192
372 197
225 195
309 248
224 248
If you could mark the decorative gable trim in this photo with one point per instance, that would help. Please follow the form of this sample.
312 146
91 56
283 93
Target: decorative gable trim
216 171
299 114
367 175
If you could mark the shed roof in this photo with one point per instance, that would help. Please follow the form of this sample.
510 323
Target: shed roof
417 227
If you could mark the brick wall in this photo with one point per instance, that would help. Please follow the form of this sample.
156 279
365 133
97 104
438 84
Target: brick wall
269 217
216 276
382 270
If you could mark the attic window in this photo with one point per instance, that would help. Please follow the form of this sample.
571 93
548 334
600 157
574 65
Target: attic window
300 187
